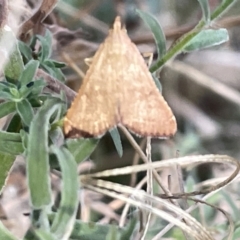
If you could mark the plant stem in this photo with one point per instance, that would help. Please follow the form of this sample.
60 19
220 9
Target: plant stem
179 45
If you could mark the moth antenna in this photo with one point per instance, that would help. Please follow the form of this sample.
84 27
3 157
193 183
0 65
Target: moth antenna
117 23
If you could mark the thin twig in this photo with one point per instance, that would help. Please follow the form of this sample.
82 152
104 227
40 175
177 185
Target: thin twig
184 162
72 64
135 162
144 158
149 185
87 19
138 199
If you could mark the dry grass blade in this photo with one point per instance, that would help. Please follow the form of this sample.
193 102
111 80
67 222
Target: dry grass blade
141 199
214 181
144 158
183 162
135 161
229 234
146 201
227 216
72 64
205 183
84 16
149 185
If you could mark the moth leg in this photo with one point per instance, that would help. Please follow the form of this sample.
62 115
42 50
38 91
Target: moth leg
88 61
148 55
72 64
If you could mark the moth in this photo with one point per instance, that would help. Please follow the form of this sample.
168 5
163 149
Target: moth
118 89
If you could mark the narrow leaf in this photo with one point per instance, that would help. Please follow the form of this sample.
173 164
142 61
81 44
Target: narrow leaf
7 108
90 231
53 71
25 111
205 10
181 42
24 137
57 137
6 95
29 72
207 38
58 74
53 63
80 148
5 234
32 88
5 90
10 147
8 44
96 231
6 162
25 91
7 136
117 141
129 230
3 86
25 50
113 233
64 220
15 93
39 83
46 44
43 235
37 156
157 31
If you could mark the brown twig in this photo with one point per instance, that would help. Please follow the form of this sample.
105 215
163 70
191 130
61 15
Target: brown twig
177 32
144 158
136 159
36 19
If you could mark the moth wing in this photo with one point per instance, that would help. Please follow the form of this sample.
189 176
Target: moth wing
118 88
93 111
143 109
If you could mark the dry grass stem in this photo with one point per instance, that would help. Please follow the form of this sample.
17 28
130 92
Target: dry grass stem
86 18
139 199
183 162
72 64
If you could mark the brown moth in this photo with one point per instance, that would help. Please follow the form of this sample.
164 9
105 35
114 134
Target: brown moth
118 89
